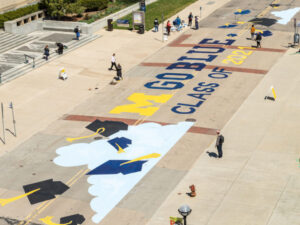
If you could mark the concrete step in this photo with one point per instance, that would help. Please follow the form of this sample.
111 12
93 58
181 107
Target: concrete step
13 43
39 61
4 36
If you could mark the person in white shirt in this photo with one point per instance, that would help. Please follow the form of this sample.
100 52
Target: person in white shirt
113 62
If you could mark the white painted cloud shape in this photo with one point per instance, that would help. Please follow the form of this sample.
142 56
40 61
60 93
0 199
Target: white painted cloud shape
286 15
109 189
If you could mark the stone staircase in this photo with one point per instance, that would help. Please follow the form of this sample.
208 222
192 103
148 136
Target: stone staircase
9 41
24 67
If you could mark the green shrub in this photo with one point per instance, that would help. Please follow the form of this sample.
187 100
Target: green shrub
94 4
17 13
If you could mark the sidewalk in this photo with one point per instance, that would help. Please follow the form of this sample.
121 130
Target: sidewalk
257 181
40 98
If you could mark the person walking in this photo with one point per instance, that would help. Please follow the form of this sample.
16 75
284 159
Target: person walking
113 62
119 72
156 23
258 40
46 52
252 31
196 23
219 143
190 19
168 27
77 33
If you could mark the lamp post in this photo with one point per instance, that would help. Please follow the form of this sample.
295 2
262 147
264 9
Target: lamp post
184 210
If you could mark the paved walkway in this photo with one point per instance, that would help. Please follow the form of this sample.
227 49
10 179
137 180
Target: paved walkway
257 181
195 78
39 94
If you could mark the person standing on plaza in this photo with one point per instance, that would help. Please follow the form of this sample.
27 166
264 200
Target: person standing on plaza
190 19
113 62
196 23
119 72
258 40
156 23
219 143
77 33
46 52
252 31
168 27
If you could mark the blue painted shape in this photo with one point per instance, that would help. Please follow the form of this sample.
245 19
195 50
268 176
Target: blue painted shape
267 33
119 21
228 26
114 167
122 142
243 12
231 35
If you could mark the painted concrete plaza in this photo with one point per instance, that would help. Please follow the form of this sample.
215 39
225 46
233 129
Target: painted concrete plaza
88 152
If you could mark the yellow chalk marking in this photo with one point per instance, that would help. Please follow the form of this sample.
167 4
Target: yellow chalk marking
142 104
273 91
240 22
99 131
239 10
150 156
47 220
120 150
4 202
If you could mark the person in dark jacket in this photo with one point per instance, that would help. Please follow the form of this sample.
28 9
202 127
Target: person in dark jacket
219 143
258 40
156 23
190 19
119 72
46 52
77 32
60 49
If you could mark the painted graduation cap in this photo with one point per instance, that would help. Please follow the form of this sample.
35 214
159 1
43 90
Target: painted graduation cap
228 26
263 21
111 127
48 190
231 35
73 219
122 142
115 167
242 12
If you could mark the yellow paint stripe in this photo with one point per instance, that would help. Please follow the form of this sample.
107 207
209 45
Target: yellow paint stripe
150 156
273 91
6 201
48 220
99 131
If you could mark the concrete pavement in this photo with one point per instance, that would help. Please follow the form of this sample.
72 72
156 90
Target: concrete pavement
254 183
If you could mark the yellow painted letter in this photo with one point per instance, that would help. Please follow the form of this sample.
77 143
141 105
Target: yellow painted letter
142 105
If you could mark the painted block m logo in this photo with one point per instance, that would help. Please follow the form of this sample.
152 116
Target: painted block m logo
142 104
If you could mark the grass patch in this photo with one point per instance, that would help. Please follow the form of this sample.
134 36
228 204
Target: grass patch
155 10
112 8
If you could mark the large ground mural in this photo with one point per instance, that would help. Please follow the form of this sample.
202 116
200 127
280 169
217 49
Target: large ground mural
119 162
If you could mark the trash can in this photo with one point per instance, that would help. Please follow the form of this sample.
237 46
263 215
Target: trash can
110 26
141 29
296 38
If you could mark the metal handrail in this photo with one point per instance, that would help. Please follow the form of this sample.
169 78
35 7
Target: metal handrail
30 57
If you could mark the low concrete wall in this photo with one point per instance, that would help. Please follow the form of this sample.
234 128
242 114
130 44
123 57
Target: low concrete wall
93 27
19 27
25 24
8 5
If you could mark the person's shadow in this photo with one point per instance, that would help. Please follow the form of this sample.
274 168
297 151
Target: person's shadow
212 154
